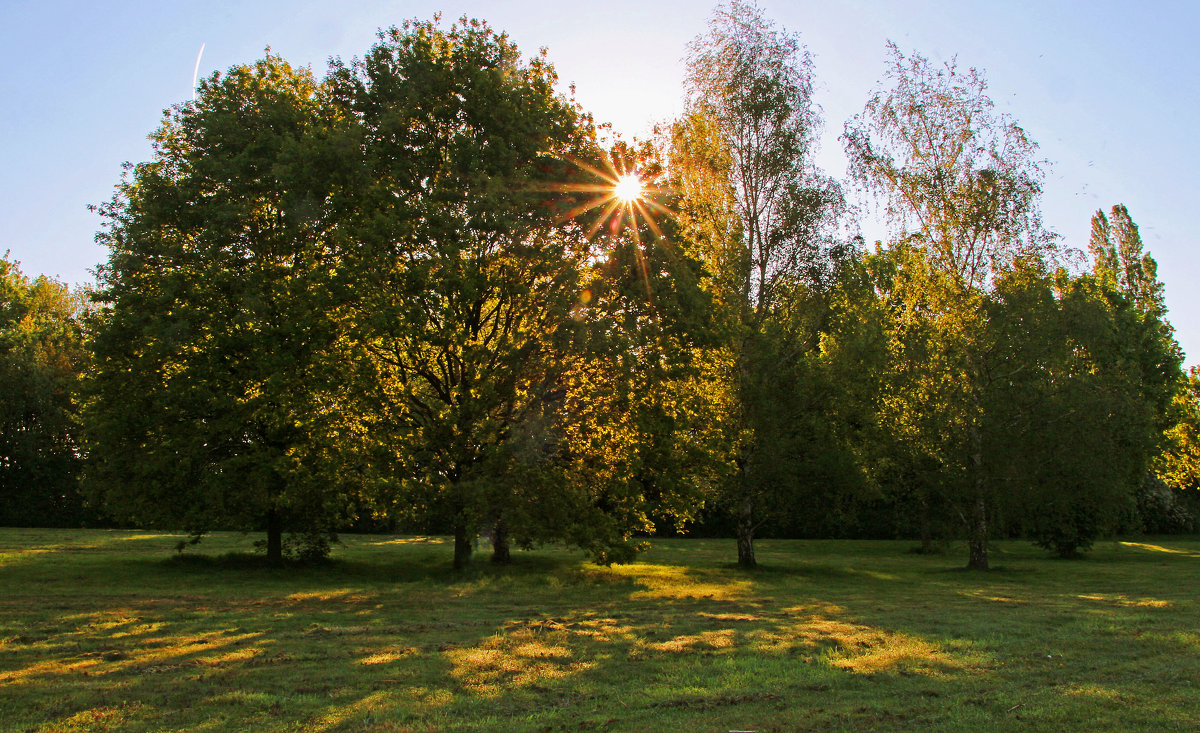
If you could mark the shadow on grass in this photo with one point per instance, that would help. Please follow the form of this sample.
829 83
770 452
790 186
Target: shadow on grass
410 565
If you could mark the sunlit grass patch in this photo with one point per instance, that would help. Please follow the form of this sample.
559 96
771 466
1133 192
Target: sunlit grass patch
705 640
675 582
1161 548
341 594
1118 599
856 647
1187 639
994 597
246 697
19 555
514 660
338 717
416 540
102 718
100 656
48 668
1097 691
387 656
601 629
321 630
746 617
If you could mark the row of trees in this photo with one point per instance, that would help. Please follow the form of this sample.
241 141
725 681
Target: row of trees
409 291
42 355
969 373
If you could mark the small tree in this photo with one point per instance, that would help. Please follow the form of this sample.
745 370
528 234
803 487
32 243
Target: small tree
42 357
1179 463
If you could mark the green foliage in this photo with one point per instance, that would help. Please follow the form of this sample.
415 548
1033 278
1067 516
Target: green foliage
948 169
1062 370
369 298
366 295
1062 394
1118 259
507 354
42 356
218 395
469 284
1162 509
1179 463
960 185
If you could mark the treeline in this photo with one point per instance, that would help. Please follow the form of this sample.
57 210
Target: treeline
427 291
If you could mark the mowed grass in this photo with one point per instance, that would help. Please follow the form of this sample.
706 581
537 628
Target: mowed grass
103 630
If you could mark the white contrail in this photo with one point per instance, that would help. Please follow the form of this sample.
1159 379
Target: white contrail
196 71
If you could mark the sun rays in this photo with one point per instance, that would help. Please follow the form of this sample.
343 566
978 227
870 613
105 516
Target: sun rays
620 196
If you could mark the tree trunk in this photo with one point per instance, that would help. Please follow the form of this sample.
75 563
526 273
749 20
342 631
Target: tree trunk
978 536
745 534
745 460
464 544
745 545
926 525
977 532
274 536
500 549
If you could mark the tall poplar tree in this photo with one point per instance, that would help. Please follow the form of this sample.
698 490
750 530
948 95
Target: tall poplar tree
1118 258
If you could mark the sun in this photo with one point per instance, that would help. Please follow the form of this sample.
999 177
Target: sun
623 200
628 188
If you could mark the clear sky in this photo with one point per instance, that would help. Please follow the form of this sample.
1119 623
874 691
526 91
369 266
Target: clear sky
1110 90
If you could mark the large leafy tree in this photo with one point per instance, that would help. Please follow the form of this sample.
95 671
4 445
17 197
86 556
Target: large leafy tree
638 440
1130 276
909 400
500 341
218 396
960 186
42 356
757 213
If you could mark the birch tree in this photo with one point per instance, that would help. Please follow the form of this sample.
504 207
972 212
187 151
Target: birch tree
758 214
960 183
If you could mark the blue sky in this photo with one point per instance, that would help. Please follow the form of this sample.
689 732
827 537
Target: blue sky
1109 91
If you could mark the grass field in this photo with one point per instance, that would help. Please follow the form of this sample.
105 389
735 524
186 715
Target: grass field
102 630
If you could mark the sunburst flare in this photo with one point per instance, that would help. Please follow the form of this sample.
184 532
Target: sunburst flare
621 196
